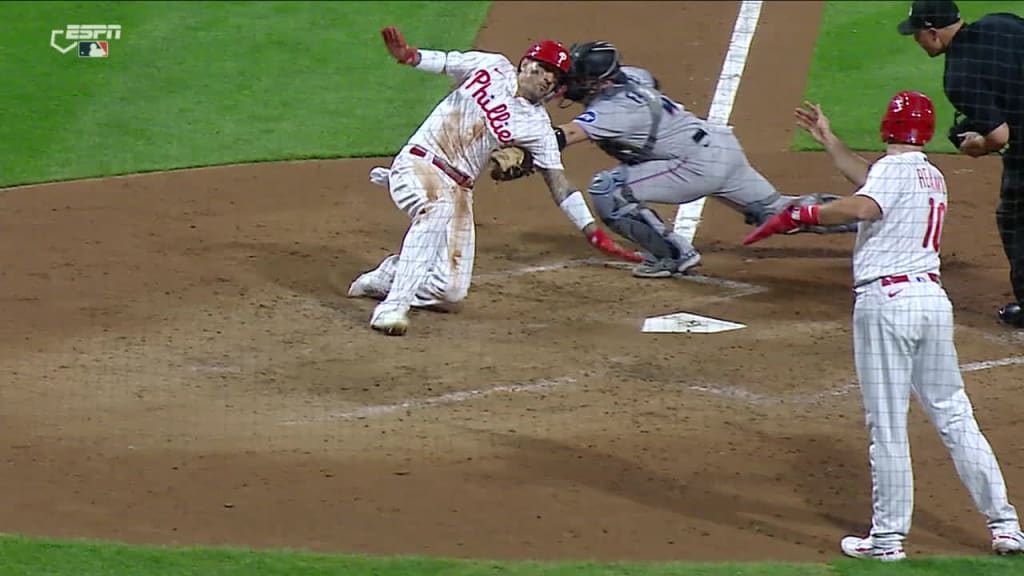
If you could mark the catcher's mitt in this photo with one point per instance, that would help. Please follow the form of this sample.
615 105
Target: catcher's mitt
511 163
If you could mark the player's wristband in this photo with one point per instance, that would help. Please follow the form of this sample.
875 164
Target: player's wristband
575 207
808 215
432 61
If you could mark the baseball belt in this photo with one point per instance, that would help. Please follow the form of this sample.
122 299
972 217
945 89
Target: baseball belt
455 174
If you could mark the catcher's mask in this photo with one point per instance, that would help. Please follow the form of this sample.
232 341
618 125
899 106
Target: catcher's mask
592 64
909 119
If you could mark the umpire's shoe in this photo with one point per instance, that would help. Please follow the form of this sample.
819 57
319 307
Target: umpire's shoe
1012 315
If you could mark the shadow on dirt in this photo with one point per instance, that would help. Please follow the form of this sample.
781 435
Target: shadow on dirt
836 480
697 496
321 272
832 479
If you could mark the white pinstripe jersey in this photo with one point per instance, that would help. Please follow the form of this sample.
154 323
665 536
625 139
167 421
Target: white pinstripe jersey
483 113
911 192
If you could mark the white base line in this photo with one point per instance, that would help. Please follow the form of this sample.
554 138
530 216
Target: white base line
739 289
374 411
689 215
986 364
501 274
743 394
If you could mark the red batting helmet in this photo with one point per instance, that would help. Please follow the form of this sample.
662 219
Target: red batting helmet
909 119
551 53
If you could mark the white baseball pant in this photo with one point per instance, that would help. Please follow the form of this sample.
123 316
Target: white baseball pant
435 264
903 344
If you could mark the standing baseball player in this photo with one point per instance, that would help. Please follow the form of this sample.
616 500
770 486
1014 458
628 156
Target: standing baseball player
667 155
903 323
494 105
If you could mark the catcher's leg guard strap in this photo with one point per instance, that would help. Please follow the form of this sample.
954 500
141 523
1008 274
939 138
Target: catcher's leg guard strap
618 209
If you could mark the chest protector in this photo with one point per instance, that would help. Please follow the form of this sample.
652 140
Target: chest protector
624 151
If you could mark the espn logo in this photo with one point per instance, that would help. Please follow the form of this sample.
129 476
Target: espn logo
97 36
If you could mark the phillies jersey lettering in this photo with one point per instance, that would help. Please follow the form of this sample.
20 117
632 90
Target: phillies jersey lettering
911 193
498 116
483 114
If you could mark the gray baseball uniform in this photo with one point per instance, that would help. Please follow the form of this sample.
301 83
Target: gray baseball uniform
668 155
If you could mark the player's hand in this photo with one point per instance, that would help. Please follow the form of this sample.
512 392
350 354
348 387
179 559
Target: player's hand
603 242
399 50
813 120
791 218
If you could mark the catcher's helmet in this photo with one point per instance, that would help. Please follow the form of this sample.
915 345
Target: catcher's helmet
909 119
592 63
551 53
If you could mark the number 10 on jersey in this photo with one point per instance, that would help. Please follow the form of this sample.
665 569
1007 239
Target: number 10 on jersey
933 235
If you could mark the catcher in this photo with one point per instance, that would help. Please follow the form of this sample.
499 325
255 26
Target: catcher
667 155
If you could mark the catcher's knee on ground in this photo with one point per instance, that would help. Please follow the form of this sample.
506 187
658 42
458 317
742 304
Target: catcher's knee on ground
617 208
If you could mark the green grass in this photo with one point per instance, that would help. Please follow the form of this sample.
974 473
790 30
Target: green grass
860 61
54 558
204 83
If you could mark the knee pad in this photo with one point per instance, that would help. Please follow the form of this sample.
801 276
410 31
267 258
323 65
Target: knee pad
619 210
606 191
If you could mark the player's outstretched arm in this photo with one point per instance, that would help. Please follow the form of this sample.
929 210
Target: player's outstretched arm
572 203
851 165
456 65
855 208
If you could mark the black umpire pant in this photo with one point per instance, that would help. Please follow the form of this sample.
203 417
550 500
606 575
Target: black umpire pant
1010 220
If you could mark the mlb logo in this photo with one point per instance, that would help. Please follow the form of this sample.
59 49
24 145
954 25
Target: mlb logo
94 49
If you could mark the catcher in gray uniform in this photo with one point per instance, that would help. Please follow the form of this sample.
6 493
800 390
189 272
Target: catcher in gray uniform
668 155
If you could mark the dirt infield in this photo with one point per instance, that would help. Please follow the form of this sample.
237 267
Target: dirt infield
180 365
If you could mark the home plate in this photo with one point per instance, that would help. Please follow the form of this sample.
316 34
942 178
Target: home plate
688 323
